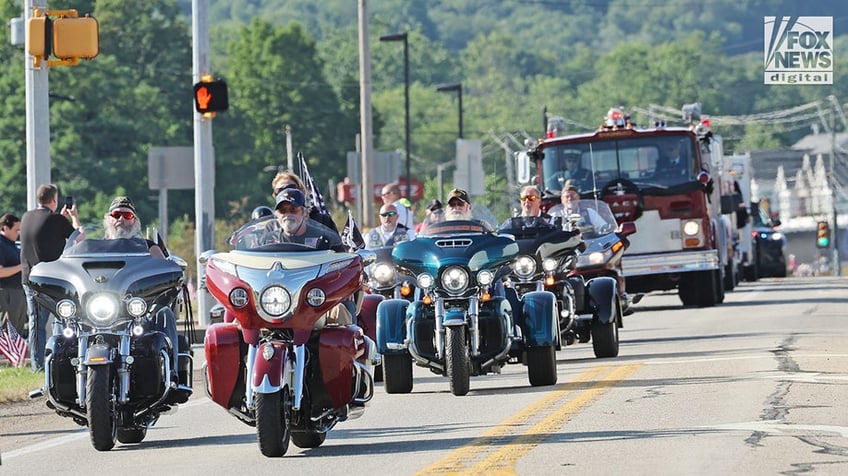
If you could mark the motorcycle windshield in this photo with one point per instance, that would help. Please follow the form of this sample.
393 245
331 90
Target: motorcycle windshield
536 236
266 235
121 246
592 217
460 242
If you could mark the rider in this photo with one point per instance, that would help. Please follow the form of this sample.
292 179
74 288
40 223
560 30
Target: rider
296 227
390 231
286 179
531 210
571 205
121 221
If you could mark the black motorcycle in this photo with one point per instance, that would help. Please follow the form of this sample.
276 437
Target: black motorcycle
110 363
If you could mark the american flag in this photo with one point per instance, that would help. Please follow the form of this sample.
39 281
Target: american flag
351 236
12 345
315 197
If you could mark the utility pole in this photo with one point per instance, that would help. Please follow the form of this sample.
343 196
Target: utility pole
37 118
204 162
366 136
834 242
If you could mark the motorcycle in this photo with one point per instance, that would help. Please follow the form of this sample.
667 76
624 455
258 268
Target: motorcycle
283 360
462 322
110 363
597 280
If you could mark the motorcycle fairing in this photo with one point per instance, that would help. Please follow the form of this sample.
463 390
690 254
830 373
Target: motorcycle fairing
337 274
367 318
538 319
268 373
603 292
392 315
223 356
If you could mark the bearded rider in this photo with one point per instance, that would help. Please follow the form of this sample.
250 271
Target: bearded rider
296 227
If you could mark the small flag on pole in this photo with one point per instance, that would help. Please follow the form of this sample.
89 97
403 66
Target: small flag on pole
315 196
351 236
12 345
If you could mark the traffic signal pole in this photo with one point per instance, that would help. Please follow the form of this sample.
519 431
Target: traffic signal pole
37 118
204 161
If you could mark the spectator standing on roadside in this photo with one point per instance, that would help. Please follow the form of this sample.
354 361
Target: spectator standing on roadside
13 304
43 236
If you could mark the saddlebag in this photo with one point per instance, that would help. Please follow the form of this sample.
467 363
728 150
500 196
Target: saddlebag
338 349
224 361
147 371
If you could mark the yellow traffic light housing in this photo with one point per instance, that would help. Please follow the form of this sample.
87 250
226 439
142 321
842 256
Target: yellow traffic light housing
69 37
210 96
76 37
822 234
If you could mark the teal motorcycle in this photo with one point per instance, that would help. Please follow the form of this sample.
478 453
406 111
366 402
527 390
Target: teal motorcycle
462 321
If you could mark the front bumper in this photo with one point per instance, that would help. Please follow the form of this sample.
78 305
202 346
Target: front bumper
669 263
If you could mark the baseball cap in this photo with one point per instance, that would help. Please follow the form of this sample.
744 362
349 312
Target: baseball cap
291 195
460 194
122 202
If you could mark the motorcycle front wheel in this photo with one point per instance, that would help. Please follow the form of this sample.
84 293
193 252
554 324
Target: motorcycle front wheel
273 422
305 439
457 361
102 425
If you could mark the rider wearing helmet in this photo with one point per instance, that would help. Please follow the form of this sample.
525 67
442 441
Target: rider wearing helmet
261 212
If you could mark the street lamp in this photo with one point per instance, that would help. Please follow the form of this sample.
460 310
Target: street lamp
403 37
444 88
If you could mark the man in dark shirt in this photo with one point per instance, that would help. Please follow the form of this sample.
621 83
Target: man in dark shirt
12 298
43 236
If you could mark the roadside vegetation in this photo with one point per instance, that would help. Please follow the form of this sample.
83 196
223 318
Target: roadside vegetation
16 382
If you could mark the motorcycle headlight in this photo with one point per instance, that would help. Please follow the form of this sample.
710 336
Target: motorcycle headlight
776 236
315 297
102 309
592 259
549 264
485 277
455 279
136 307
691 228
384 273
524 266
238 297
425 281
66 308
275 300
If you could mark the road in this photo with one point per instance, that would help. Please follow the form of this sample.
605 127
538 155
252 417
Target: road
756 385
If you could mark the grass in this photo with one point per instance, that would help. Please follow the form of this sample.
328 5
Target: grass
16 383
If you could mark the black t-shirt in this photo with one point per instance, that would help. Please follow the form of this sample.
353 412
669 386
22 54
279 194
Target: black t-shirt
43 236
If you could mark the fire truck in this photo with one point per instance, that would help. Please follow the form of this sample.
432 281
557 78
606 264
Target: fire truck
659 177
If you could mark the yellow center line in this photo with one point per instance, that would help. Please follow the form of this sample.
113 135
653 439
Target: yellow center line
455 461
504 459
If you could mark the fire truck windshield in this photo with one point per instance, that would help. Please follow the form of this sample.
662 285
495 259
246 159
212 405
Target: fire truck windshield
658 160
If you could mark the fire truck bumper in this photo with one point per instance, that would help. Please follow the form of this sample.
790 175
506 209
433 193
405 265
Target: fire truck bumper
670 263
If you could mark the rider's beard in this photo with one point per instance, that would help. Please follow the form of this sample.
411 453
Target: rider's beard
121 230
291 223
455 213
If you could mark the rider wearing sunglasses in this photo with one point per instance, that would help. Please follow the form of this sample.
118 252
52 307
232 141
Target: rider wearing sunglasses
121 221
531 208
390 231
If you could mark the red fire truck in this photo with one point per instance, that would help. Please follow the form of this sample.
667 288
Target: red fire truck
659 177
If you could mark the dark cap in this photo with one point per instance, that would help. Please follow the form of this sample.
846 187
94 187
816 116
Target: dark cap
291 195
122 202
460 194
434 204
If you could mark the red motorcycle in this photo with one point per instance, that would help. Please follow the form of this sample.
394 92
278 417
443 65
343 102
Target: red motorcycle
291 364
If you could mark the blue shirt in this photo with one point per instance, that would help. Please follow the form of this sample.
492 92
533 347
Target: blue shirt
10 256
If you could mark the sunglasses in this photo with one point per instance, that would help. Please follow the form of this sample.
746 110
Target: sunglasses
388 214
532 198
125 215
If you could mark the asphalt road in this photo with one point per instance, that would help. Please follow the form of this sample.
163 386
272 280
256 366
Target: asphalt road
756 385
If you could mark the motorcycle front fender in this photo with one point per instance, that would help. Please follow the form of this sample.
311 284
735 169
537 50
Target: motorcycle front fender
539 318
454 317
391 325
268 373
367 318
98 354
603 292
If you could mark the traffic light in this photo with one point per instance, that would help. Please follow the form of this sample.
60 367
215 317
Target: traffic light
822 234
76 37
211 96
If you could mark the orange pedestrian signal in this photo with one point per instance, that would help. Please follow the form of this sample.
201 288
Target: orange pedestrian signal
211 96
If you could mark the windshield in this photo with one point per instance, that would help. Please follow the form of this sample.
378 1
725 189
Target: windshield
92 240
265 234
664 160
593 217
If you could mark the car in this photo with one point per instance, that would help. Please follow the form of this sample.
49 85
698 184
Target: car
769 244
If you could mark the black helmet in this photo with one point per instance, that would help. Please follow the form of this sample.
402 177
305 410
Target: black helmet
260 212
